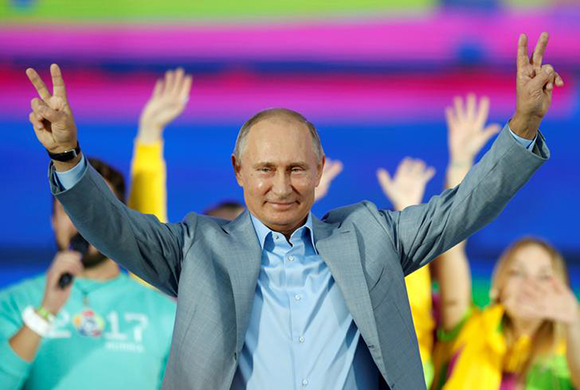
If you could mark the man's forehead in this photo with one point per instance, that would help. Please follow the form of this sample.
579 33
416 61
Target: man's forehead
281 139
279 135
279 120
275 141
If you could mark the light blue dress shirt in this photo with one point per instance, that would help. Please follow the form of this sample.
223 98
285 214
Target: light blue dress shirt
301 334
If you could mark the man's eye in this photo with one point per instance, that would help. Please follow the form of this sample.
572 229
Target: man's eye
264 169
297 170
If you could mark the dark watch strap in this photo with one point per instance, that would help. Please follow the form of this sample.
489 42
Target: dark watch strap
66 155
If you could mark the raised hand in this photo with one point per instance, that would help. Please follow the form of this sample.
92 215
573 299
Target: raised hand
407 187
535 83
466 128
331 169
168 101
551 300
467 135
559 302
51 115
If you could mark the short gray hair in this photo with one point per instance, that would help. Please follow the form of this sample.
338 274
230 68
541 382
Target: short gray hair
272 113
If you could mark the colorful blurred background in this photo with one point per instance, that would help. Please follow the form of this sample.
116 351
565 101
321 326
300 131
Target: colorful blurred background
374 76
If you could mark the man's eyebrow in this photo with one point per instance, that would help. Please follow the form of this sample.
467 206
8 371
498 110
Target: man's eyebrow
300 164
264 164
268 164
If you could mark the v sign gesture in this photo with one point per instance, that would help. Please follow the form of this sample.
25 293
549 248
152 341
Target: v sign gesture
535 83
51 116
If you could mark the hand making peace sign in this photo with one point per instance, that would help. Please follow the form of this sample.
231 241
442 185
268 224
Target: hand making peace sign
534 85
51 115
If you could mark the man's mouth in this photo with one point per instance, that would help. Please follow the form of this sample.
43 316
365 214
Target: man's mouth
281 206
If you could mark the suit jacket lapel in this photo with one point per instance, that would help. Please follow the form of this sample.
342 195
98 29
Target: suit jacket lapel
244 270
338 247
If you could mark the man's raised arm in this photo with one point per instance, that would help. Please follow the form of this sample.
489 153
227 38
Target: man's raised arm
423 232
150 249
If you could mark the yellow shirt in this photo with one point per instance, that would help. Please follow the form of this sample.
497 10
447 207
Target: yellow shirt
419 291
475 355
148 193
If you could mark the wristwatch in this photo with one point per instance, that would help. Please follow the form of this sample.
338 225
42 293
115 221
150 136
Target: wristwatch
67 155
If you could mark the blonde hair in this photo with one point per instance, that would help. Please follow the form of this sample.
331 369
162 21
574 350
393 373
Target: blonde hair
546 338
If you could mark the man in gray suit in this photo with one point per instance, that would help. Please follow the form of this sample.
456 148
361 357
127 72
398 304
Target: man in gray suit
278 298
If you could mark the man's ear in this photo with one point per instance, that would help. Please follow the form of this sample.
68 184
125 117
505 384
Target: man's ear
320 170
237 165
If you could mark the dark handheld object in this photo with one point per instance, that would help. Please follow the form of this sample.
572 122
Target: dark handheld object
65 280
78 244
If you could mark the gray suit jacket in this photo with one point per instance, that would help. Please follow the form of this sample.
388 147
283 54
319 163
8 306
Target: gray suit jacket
213 264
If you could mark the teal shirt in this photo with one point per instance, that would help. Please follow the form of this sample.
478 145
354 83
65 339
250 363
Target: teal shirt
121 340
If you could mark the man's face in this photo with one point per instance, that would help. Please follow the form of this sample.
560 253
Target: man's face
279 172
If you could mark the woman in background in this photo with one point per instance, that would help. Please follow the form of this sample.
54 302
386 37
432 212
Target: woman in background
529 335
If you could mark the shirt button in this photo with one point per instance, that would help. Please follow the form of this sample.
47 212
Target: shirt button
304 382
291 258
301 339
298 297
276 236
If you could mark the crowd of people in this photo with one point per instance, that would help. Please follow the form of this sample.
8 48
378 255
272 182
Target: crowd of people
108 328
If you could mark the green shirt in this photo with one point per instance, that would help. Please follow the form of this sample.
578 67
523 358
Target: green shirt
117 338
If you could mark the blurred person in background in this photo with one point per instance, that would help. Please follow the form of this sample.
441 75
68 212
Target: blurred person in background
96 331
221 266
148 172
529 335
148 192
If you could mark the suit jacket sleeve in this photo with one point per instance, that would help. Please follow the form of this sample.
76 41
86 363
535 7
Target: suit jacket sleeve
421 233
140 242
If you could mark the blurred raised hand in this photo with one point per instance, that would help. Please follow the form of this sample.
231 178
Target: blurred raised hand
332 168
407 187
169 99
550 300
467 133
467 129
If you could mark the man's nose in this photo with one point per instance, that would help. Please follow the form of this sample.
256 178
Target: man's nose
282 185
